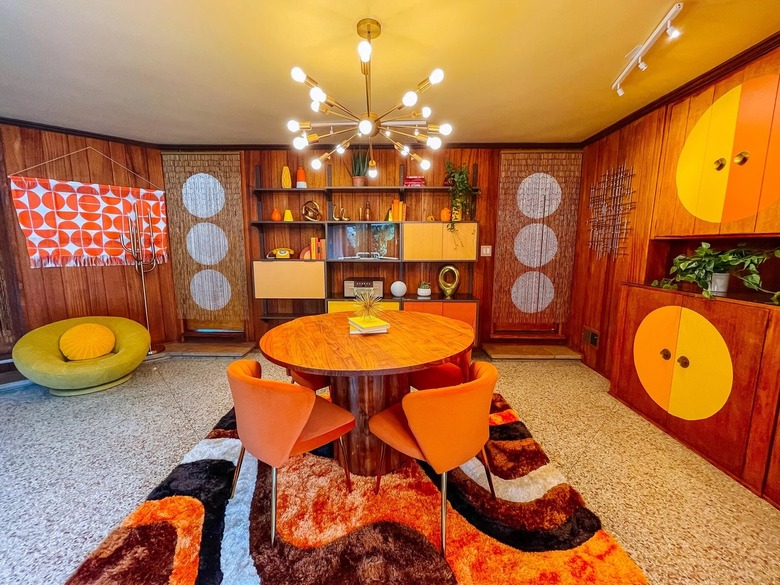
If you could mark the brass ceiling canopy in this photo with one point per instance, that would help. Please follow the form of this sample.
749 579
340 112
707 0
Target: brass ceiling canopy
368 123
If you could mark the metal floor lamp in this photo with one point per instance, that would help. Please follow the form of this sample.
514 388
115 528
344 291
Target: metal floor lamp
134 245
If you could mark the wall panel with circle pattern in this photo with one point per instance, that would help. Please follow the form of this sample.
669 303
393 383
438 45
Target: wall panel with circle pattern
536 230
206 232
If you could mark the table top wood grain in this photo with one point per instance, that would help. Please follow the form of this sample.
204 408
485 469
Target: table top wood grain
322 344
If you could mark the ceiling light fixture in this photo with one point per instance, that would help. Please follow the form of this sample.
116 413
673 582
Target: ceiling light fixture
638 54
369 123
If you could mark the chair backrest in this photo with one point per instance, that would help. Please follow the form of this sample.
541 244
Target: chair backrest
270 415
451 424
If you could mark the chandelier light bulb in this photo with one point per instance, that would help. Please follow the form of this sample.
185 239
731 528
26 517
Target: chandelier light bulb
426 112
316 164
434 142
372 170
300 142
365 126
425 164
445 129
387 133
317 95
436 76
416 131
293 126
298 74
364 50
409 99
315 106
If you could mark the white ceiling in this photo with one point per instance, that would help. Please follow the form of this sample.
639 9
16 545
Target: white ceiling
218 72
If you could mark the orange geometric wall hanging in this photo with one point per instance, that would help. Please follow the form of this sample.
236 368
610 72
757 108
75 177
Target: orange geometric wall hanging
725 170
67 223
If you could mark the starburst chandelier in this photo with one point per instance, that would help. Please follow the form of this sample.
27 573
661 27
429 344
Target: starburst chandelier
391 125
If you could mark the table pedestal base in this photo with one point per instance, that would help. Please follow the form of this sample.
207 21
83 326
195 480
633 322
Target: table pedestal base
364 396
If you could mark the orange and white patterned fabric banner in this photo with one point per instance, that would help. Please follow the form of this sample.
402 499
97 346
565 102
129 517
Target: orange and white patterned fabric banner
74 224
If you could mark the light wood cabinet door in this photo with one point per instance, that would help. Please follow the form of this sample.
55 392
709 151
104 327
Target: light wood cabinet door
289 279
422 241
459 243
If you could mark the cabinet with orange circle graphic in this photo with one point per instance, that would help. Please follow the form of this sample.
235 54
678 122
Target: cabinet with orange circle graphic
691 365
721 163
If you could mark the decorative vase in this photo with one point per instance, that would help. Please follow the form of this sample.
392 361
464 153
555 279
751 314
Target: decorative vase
286 178
398 288
449 288
288 215
719 283
300 179
276 215
358 181
445 214
455 214
423 292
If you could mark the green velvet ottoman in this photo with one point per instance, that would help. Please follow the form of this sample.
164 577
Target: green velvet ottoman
38 357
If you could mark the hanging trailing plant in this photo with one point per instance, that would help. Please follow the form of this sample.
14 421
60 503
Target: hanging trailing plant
461 192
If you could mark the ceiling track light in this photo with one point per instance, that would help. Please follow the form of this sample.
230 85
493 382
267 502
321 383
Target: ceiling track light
637 56
369 124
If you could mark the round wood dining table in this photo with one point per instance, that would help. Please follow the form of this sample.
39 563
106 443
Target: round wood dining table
368 372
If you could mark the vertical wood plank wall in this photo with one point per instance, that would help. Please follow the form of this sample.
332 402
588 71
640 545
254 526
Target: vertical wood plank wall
51 294
650 146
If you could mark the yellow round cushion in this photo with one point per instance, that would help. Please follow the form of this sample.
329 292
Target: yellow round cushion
87 341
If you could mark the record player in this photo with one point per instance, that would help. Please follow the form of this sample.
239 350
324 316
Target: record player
365 284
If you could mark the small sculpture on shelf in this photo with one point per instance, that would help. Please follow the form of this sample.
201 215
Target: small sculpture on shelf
447 287
311 211
276 215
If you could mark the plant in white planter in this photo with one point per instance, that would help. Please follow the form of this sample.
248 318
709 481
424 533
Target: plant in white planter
424 289
711 270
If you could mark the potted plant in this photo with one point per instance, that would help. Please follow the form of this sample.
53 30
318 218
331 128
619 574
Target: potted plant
359 167
461 191
710 270
424 289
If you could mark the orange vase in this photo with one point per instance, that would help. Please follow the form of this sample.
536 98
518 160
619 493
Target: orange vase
276 215
300 179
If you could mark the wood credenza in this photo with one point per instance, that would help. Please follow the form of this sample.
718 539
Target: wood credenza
708 373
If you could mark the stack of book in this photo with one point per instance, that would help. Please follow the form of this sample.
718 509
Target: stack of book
397 211
414 181
318 248
367 325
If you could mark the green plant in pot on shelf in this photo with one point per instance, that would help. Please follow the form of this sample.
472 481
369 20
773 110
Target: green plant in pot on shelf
461 192
710 270
359 167
424 289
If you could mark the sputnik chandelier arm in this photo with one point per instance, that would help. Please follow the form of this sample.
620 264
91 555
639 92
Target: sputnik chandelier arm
369 124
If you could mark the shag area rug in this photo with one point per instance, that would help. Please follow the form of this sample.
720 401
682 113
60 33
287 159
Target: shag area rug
538 529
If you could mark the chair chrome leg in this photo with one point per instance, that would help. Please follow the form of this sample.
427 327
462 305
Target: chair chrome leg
273 505
489 475
346 463
237 471
444 514
380 467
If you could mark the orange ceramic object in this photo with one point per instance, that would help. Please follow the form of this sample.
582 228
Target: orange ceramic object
445 214
276 215
300 179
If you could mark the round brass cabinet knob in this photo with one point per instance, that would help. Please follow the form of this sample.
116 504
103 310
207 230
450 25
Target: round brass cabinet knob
666 354
311 211
741 158
683 361
449 288
719 164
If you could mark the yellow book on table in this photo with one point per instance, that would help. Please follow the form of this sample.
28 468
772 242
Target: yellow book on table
355 331
369 324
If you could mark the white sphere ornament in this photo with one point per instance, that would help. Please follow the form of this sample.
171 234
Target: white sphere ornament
398 288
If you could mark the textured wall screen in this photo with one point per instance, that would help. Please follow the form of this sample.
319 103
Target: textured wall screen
537 228
206 233
7 336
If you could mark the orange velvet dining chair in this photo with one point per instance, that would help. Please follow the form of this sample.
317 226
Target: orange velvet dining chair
445 427
449 374
310 381
276 420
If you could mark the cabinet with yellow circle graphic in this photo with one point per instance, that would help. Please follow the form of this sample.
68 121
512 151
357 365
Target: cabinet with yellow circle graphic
721 163
691 365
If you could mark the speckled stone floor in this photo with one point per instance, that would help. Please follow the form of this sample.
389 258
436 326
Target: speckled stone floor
73 468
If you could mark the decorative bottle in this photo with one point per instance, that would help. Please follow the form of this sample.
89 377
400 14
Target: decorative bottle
367 214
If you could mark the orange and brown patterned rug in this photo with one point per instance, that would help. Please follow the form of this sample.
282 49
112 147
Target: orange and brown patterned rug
538 530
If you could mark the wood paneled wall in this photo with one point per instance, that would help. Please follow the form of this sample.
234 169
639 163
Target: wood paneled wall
388 162
596 280
650 146
51 294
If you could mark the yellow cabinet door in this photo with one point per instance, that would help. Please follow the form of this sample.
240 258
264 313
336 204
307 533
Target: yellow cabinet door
348 306
460 243
703 372
422 241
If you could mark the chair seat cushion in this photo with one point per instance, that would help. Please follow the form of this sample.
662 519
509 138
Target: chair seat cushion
327 422
312 381
391 426
87 341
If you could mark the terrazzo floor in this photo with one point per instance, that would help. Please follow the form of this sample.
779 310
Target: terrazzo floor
73 468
